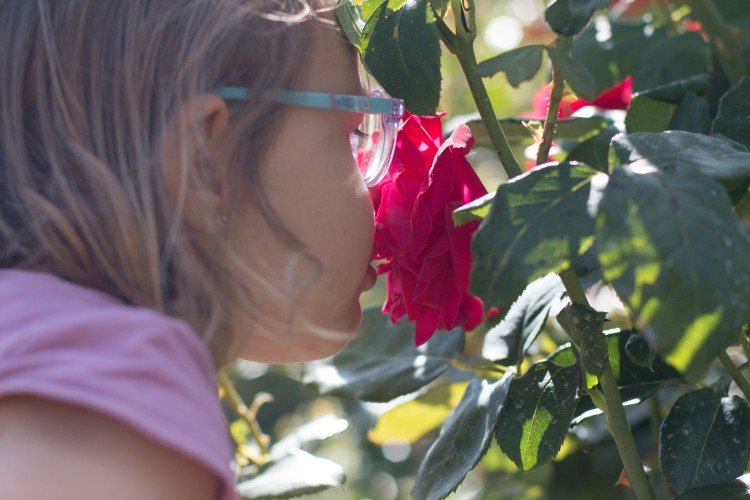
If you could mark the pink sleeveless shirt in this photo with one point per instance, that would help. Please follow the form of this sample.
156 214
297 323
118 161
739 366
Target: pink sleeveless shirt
71 344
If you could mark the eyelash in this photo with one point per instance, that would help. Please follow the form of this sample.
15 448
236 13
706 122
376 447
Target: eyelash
358 133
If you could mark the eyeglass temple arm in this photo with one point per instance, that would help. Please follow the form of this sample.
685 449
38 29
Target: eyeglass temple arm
394 108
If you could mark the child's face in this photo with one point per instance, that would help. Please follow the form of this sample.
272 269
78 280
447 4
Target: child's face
317 191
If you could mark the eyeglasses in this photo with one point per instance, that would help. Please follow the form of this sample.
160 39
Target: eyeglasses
372 143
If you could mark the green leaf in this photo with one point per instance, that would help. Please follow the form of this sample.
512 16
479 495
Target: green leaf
313 432
414 419
537 414
594 152
576 75
463 440
369 7
566 355
672 59
584 325
519 65
733 116
563 21
382 362
639 352
613 50
705 439
674 92
692 115
648 115
570 129
586 6
402 51
724 161
732 11
588 262
736 489
299 473
679 257
538 224
474 210
349 16
635 382
508 342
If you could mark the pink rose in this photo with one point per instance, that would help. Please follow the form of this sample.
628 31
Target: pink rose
428 259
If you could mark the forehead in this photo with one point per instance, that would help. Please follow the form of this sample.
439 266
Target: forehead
333 65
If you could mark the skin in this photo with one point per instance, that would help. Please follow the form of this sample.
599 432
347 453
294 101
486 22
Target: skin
83 455
316 190
307 301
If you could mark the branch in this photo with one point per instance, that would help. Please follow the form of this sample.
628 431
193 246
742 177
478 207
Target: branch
446 35
248 415
550 122
461 44
468 62
617 422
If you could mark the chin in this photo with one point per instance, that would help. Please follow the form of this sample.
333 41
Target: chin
311 349
323 345
325 349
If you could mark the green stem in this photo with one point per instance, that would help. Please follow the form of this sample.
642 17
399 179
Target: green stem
550 122
446 35
618 426
573 287
730 55
466 57
468 15
735 373
461 44
248 416
617 422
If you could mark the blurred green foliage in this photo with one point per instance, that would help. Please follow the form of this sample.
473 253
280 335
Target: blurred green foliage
681 85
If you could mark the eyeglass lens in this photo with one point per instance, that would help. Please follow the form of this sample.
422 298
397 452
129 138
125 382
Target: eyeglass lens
373 145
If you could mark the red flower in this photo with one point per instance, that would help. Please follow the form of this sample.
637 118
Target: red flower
615 97
428 258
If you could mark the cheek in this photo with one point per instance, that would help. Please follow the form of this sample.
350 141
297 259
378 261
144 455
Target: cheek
316 190
336 220
349 237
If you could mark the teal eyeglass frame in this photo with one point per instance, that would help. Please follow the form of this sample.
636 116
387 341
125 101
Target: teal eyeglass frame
391 109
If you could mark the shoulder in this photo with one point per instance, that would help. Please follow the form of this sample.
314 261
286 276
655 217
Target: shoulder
148 373
86 455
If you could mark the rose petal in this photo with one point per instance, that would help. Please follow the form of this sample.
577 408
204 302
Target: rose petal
426 324
429 260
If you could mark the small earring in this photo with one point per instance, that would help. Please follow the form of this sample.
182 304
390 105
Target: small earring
223 220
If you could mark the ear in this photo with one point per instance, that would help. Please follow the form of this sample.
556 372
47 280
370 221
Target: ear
194 170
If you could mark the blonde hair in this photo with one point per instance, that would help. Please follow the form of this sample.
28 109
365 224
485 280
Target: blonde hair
87 88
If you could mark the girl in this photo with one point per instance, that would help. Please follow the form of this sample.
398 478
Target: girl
177 189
